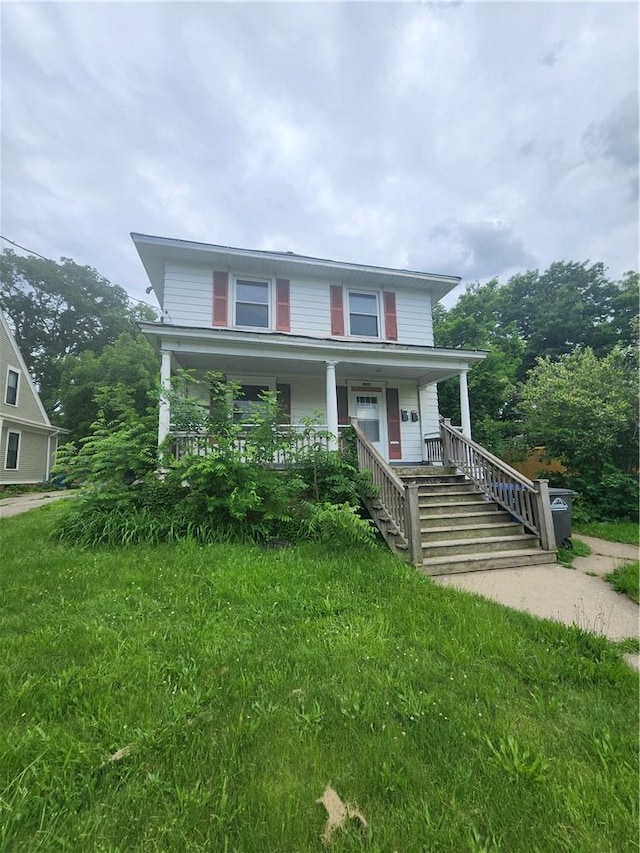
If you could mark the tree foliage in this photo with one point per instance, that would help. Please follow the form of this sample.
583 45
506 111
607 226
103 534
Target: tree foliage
584 410
61 309
122 376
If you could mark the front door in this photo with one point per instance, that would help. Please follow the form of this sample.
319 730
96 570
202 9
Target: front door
368 406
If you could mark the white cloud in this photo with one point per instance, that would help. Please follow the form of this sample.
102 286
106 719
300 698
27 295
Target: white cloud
472 139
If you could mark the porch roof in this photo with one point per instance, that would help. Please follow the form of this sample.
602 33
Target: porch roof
277 353
154 251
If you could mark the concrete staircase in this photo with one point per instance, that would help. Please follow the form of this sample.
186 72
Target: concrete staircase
463 532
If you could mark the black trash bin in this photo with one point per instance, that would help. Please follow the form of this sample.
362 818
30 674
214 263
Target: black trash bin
561 501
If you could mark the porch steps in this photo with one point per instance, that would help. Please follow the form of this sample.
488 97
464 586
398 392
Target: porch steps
463 532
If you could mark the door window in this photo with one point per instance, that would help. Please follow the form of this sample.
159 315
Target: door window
368 415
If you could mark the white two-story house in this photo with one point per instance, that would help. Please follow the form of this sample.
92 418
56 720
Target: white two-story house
353 343
344 339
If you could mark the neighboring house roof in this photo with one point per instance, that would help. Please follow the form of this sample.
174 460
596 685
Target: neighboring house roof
154 251
17 413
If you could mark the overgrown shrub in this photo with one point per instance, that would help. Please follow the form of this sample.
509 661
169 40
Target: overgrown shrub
231 494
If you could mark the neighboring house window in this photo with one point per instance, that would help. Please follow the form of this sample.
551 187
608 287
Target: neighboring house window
252 303
11 394
363 315
13 447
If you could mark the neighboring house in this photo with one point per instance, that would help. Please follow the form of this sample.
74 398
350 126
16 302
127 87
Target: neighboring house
28 441
347 340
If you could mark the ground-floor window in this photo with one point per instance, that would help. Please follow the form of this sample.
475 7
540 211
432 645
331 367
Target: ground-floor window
13 448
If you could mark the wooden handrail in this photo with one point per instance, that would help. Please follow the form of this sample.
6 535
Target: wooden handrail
524 499
397 504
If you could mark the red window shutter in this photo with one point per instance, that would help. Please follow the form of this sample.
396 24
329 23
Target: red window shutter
283 320
393 423
343 406
390 319
337 310
220 298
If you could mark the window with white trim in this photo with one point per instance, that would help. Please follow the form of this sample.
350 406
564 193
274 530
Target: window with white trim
13 450
11 390
363 315
248 402
252 303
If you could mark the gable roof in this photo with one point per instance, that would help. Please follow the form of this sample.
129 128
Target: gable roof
154 251
26 376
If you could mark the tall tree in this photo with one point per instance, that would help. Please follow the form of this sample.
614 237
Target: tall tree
476 321
58 309
584 410
567 305
122 377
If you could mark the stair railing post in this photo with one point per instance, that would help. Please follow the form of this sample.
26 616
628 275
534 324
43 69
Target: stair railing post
545 519
412 522
445 439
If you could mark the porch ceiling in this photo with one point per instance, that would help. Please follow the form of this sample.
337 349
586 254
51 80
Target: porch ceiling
259 354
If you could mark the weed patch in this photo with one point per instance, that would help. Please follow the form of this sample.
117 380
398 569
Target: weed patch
626 578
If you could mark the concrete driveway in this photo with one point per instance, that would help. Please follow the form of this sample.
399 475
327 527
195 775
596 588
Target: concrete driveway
30 500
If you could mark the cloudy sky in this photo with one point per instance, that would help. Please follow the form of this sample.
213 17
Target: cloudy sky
473 139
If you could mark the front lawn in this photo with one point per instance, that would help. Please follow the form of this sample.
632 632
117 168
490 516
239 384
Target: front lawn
183 698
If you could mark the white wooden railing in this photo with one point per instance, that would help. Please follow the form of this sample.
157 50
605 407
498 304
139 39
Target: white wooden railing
527 500
396 509
299 438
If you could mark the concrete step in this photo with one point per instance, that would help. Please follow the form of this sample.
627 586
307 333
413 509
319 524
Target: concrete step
433 535
487 544
481 562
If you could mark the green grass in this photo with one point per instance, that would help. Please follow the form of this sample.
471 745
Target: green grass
626 578
627 532
566 556
244 681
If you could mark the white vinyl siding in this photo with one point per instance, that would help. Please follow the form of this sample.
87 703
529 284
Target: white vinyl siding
413 312
32 456
310 308
188 295
410 431
188 301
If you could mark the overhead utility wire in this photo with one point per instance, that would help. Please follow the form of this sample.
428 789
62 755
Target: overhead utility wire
38 255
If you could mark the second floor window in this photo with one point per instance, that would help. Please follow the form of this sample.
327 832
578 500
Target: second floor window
252 303
11 395
363 315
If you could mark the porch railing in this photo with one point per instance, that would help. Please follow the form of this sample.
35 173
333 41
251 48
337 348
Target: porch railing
527 500
396 509
301 437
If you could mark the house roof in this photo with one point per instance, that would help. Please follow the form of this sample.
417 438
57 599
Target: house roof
154 251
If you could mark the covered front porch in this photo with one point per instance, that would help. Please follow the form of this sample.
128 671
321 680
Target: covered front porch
390 390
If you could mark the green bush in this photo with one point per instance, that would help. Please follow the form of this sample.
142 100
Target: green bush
231 494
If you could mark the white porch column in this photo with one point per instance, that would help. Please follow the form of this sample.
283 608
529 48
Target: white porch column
332 404
465 415
164 415
428 403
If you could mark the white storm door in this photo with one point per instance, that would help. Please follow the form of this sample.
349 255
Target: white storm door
369 411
